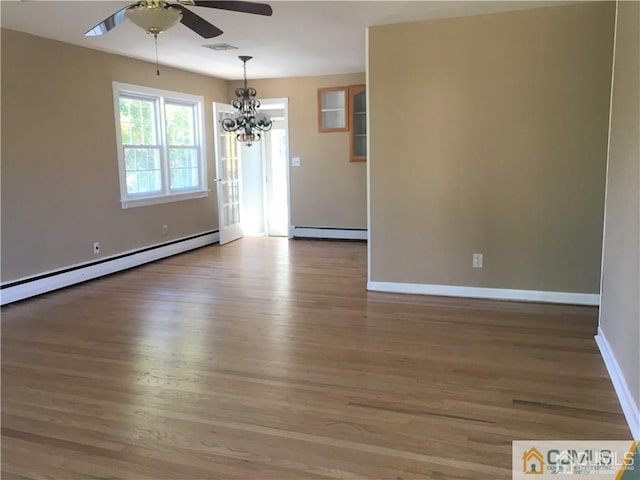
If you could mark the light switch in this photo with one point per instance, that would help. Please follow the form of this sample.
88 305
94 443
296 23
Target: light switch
295 162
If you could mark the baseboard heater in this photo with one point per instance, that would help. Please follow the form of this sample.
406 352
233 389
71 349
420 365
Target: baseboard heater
46 282
329 233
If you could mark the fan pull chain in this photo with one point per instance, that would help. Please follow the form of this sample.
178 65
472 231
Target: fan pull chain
155 39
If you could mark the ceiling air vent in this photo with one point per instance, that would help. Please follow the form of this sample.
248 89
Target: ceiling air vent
219 47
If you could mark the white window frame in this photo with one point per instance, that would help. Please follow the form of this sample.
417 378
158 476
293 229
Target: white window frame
161 97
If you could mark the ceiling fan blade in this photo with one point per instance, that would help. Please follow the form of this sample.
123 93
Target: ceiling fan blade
197 23
108 23
243 7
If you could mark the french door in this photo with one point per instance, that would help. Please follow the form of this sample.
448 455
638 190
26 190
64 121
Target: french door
228 171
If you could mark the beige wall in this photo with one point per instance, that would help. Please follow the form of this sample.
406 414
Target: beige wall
60 189
326 190
488 134
620 308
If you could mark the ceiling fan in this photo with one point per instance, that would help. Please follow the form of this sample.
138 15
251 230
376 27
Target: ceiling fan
156 16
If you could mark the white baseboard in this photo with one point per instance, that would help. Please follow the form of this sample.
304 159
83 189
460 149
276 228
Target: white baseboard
49 281
492 293
630 409
330 233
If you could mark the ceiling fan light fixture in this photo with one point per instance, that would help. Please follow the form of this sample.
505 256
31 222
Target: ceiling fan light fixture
154 18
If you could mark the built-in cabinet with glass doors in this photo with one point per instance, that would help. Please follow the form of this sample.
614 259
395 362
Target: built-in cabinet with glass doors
344 109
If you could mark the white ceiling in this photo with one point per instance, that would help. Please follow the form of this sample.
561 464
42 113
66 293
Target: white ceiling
302 38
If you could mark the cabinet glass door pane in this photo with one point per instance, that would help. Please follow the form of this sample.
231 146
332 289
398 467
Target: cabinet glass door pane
333 99
360 146
360 102
333 119
360 123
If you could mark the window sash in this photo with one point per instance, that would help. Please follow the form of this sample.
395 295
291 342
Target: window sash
183 170
142 171
192 120
154 121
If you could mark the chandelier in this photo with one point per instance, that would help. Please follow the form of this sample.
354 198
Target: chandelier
248 123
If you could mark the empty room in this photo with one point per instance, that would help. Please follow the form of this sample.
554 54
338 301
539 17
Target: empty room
320 239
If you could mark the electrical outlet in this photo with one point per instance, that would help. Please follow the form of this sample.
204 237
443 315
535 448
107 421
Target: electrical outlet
477 260
96 248
165 230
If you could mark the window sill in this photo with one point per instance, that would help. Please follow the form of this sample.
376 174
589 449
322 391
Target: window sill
177 197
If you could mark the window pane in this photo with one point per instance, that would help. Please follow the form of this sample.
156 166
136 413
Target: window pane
183 168
137 121
180 124
142 169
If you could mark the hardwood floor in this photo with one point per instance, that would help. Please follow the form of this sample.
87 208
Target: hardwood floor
267 359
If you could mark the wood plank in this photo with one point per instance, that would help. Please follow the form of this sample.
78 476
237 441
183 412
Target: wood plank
267 358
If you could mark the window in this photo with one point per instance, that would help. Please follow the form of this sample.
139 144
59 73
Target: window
160 146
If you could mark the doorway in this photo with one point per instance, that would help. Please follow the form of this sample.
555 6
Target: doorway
265 176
